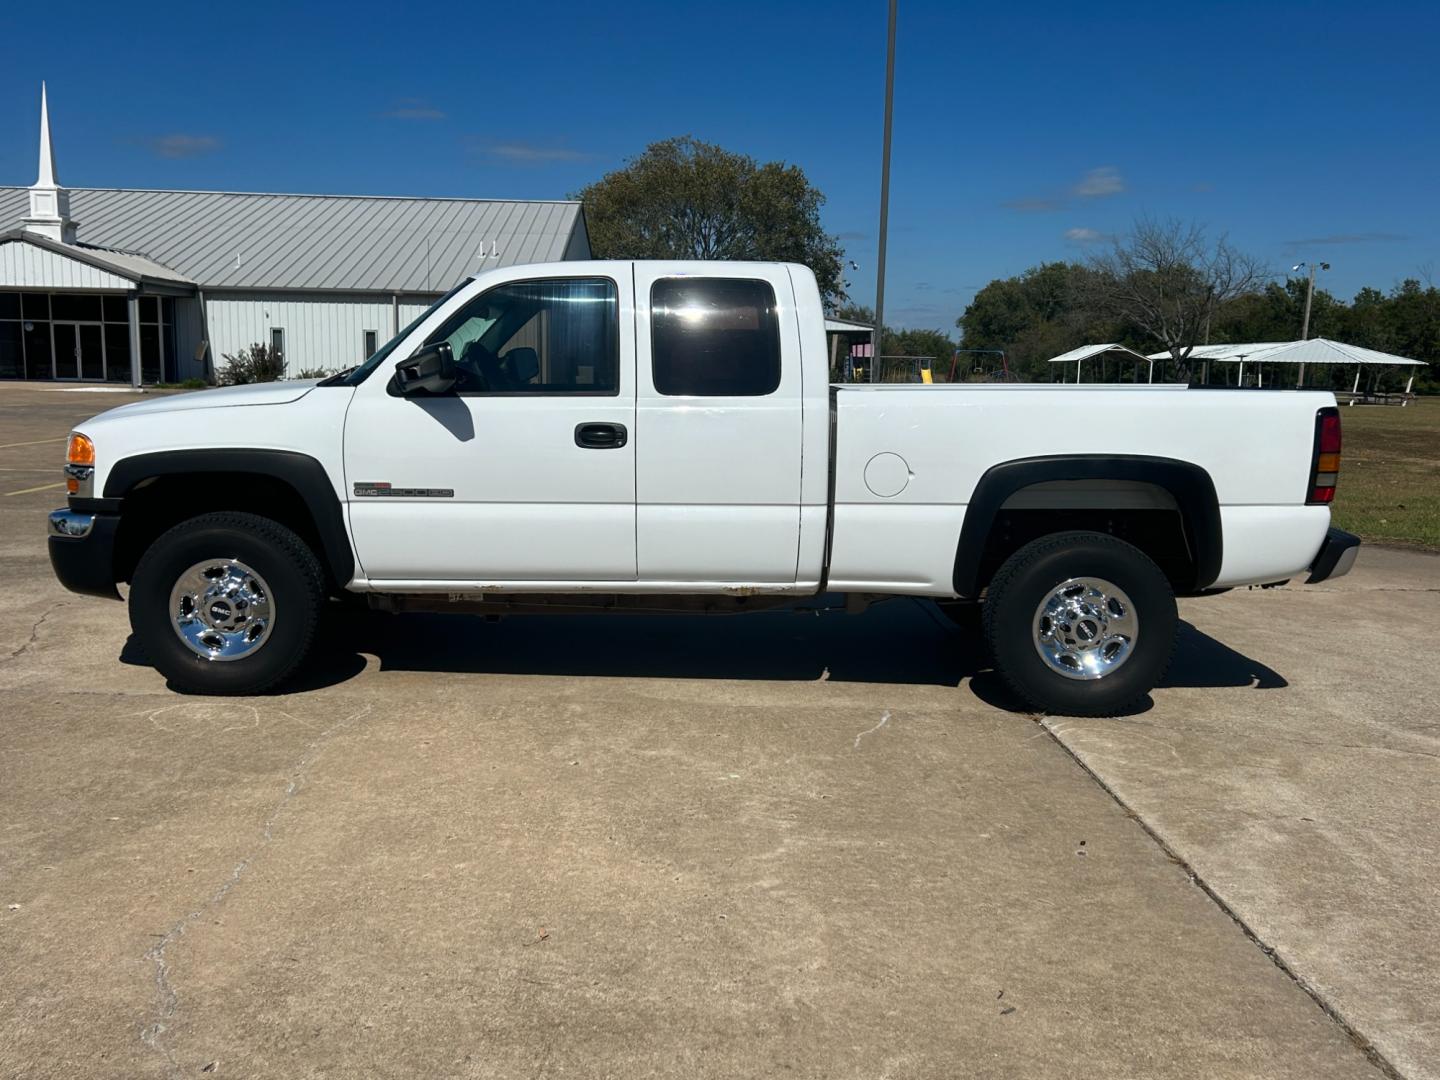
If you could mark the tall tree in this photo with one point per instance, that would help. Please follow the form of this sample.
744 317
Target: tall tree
1033 316
1169 280
1052 308
686 199
1277 313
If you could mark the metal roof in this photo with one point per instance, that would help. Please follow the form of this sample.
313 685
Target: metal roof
1087 351
847 326
126 264
237 240
1309 351
1231 351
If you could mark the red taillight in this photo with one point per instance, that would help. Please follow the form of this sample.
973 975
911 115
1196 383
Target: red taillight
1325 464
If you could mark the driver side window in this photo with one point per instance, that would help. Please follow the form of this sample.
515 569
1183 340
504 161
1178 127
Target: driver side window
556 336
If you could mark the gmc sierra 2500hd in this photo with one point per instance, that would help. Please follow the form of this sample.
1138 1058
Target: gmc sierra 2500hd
663 436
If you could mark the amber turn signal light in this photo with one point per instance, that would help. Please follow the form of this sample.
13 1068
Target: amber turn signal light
81 450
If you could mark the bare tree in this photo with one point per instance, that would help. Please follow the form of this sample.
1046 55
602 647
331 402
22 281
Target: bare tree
1168 280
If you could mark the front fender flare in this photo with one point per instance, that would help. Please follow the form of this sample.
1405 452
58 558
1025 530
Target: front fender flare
300 471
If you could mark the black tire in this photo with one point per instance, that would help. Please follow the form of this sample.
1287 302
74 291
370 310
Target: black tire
290 571
1032 575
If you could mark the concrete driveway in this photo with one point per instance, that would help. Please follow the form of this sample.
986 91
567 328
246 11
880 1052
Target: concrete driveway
603 846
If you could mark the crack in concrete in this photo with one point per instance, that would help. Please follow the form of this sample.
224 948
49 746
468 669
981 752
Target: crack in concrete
1060 729
1363 1044
1375 588
1379 749
168 1000
15 654
884 719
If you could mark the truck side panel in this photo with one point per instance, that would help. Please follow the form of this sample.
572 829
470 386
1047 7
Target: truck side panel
908 460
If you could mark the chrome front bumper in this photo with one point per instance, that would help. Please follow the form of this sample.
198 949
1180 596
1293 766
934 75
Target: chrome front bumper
69 523
82 551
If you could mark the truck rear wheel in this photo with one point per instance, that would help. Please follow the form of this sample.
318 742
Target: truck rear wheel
1080 624
226 603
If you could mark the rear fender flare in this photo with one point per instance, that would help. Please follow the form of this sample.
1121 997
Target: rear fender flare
1188 484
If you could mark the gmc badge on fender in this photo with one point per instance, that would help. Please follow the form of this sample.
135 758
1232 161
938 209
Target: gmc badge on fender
383 488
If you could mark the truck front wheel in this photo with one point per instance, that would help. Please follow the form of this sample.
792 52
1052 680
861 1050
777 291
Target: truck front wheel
1080 624
226 603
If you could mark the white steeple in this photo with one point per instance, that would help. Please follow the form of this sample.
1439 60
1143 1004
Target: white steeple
49 202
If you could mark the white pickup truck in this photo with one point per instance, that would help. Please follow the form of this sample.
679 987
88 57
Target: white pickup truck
664 436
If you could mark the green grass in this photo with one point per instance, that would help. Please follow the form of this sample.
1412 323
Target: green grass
188 384
1390 473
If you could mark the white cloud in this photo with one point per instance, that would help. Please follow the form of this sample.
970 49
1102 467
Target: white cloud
1037 204
528 154
1083 236
183 146
1097 183
1348 238
413 109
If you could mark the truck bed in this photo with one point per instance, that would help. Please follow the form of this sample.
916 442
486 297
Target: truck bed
908 458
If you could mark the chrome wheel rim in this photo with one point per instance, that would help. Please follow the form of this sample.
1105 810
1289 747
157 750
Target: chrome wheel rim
1085 628
222 610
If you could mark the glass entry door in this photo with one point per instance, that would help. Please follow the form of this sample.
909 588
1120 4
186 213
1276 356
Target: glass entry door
79 351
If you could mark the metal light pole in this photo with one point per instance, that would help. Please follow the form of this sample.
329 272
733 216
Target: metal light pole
1309 296
884 199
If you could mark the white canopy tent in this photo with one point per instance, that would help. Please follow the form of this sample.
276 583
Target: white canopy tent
847 326
1234 352
1310 351
1093 352
855 340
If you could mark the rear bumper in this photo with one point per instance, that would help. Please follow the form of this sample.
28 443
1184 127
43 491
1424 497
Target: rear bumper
1337 556
82 552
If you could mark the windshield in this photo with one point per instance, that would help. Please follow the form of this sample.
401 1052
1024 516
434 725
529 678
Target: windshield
356 375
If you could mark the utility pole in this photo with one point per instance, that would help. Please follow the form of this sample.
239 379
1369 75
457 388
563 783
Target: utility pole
884 199
1309 296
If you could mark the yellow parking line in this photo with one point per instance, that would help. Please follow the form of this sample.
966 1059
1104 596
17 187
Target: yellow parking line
34 442
27 491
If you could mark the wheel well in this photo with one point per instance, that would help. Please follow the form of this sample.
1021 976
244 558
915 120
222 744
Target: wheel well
1166 508
1159 533
158 503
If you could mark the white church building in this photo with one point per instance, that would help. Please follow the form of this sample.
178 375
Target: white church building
140 286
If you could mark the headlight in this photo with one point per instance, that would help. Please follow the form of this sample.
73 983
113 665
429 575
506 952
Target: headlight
80 466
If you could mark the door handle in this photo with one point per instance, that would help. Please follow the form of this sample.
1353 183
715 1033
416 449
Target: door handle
600 436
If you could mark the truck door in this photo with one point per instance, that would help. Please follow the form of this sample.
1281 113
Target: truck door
718 424
526 472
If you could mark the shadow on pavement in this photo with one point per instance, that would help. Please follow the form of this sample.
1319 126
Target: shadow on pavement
1201 661
901 641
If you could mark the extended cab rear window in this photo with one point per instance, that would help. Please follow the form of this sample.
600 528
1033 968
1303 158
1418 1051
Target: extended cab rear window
714 337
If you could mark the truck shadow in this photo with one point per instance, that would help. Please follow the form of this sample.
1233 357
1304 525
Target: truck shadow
1200 661
898 642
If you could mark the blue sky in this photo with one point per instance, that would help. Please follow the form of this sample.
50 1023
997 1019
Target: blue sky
1023 132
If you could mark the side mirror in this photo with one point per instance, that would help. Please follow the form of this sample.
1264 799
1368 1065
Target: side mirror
431 370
